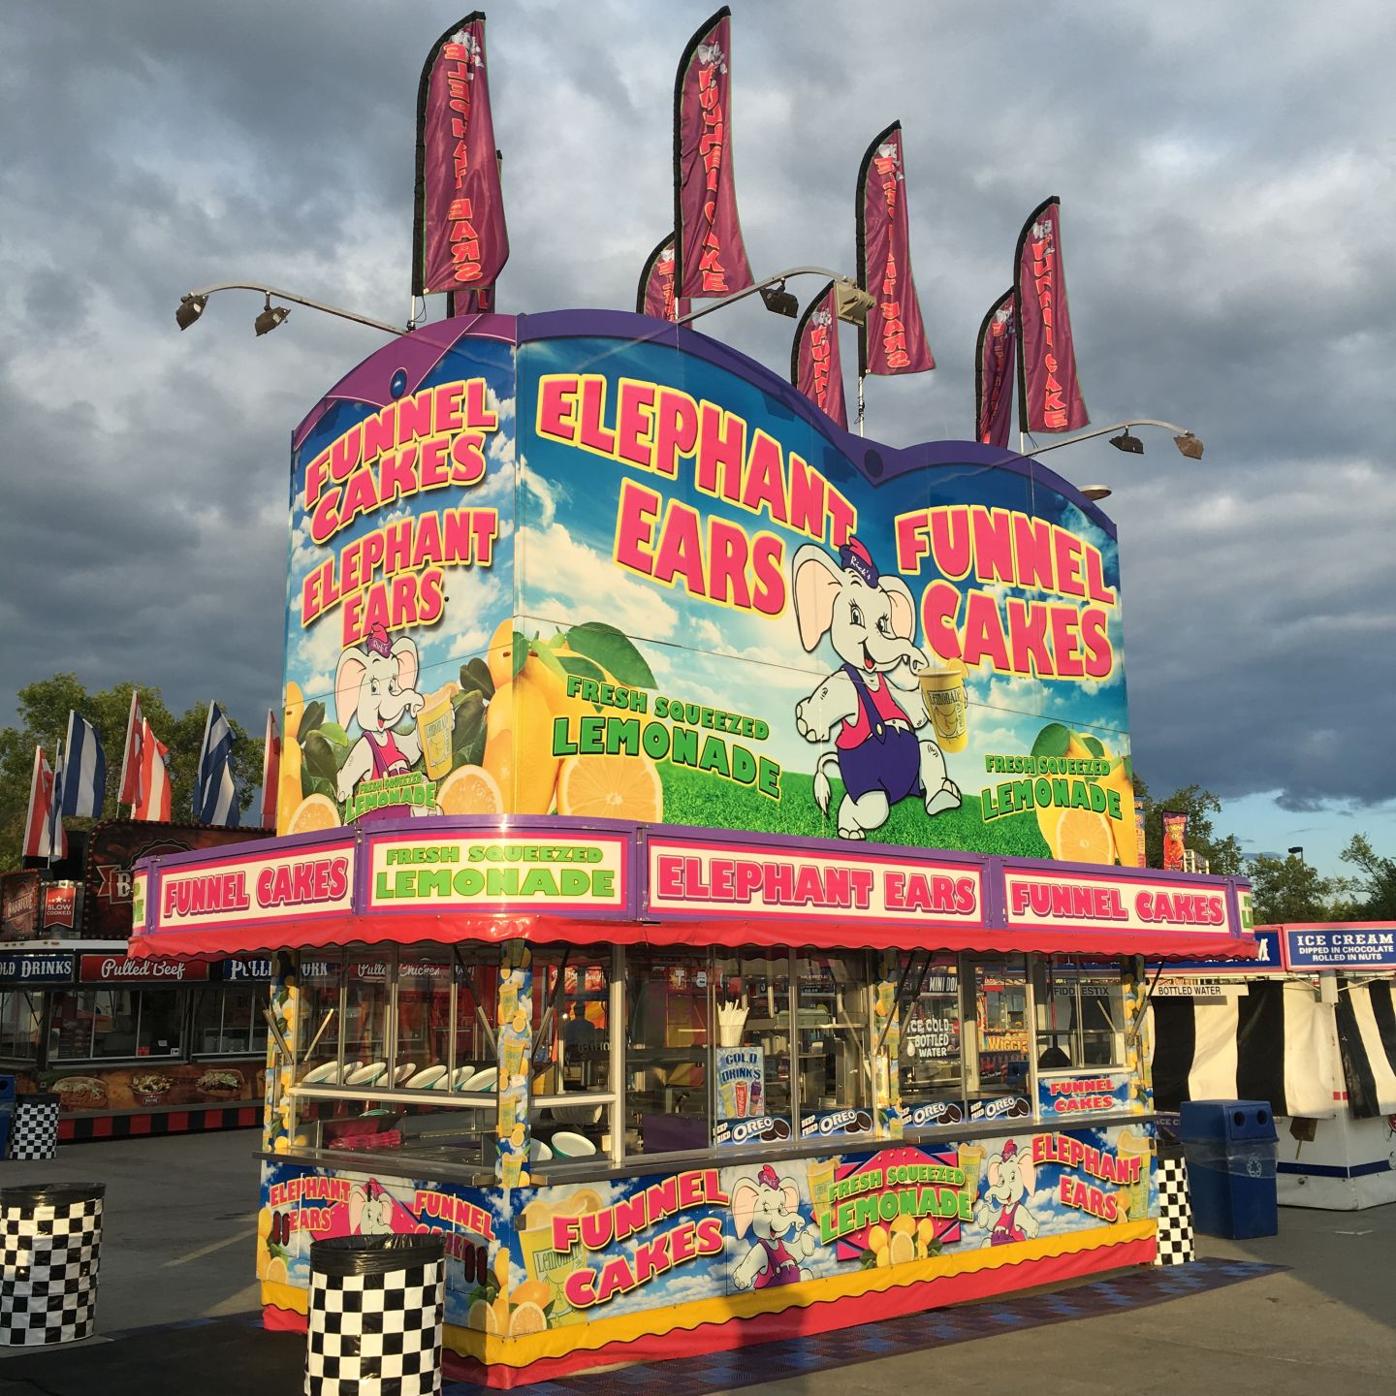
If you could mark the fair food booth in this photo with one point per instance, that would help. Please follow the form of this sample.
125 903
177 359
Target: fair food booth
706 880
1309 1026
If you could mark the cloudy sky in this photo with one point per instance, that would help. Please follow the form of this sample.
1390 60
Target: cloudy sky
1227 179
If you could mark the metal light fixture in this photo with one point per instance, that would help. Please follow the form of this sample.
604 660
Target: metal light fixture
1131 445
1097 492
851 302
1189 444
270 317
779 301
190 308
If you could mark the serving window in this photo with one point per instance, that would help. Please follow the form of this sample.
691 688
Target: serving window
1080 1015
228 1022
21 1025
996 1060
929 1014
640 1052
115 1024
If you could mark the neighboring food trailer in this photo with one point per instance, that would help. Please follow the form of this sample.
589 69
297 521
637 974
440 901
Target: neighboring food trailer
666 1090
130 1047
1310 1027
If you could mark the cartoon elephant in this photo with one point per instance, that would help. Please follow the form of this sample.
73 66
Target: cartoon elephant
1001 1211
871 705
370 1211
770 1207
375 684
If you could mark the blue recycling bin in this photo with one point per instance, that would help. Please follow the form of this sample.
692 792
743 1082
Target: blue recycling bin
1230 1147
7 1113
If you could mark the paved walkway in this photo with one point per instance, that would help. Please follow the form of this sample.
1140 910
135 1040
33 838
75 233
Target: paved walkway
1316 1311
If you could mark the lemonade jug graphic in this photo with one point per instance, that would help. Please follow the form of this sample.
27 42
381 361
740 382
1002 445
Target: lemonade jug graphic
947 704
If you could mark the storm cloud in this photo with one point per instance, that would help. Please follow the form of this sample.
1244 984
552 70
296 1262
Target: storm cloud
1227 181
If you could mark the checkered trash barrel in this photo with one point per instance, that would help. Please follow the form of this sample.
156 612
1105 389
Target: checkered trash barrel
376 1305
50 1245
34 1130
1175 1236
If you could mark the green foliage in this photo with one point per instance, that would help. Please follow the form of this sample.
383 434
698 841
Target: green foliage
1289 889
43 713
1373 889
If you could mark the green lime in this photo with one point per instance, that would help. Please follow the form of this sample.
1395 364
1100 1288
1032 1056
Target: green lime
1053 740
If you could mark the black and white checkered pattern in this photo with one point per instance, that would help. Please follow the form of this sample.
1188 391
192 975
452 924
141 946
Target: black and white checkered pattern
34 1130
1175 1242
370 1335
49 1255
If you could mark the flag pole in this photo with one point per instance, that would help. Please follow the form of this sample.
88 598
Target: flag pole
860 404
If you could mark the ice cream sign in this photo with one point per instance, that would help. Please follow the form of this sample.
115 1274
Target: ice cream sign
1368 947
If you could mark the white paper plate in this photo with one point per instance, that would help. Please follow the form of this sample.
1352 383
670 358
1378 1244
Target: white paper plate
366 1075
427 1079
403 1072
458 1078
482 1080
538 1152
320 1074
349 1069
569 1145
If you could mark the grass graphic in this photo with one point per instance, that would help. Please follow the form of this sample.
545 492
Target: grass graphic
692 797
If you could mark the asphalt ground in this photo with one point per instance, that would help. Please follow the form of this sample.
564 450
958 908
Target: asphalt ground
177 1303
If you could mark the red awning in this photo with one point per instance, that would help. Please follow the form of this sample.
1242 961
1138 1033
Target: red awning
732 932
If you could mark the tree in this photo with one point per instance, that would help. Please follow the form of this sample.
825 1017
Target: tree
43 710
1223 852
1374 887
1289 889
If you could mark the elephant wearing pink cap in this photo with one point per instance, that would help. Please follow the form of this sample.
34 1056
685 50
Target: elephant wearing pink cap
770 1208
375 684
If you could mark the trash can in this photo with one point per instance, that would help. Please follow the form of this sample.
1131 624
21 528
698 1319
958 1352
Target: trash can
374 1323
50 1247
1230 1147
34 1127
7 1110
1175 1232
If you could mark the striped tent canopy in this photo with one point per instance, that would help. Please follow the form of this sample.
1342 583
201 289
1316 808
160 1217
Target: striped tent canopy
1276 1042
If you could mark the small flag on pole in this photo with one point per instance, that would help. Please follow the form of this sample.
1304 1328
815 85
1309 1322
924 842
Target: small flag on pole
85 771
38 821
215 792
131 755
152 800
56 837
271 770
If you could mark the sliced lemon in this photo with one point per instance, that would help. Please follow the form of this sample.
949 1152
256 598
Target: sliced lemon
314 812
469 790
611 787
1082 836
481 1317
527 1318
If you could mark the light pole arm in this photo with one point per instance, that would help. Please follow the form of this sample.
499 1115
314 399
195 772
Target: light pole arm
1105 431
758 286
358 319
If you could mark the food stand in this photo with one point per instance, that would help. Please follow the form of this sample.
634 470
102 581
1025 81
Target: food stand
1310 1027
132 1048
706 886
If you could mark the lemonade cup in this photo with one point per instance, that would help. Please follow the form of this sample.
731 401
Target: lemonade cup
947 704
435 723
